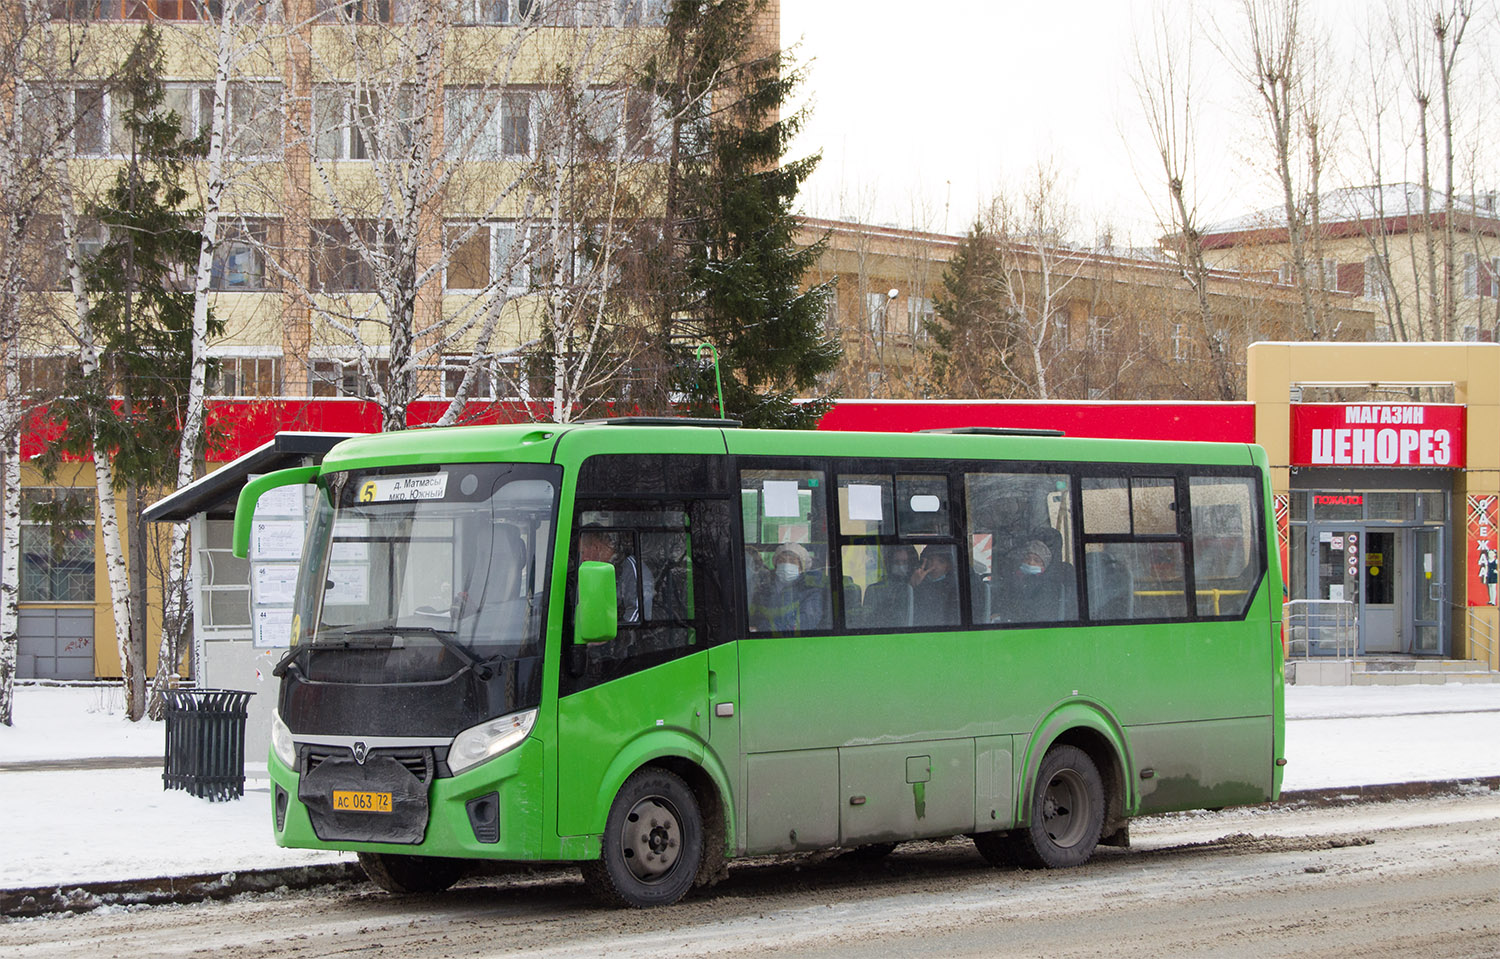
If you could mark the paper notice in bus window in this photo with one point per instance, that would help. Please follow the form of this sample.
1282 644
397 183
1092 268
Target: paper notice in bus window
349 540
781 498
864 502
351 584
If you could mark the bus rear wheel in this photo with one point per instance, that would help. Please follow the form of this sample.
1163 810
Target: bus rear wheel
653 842
411 874
1067 812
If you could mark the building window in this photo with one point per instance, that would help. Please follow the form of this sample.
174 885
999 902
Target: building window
484 255
1101 333
919 315
488 123
637 13
245 376
330 378
497 379
158 9
875 307
46 376
1179 343
1481 276
57 545
360 11
1377 278
352 123
501 12
344 257
240 256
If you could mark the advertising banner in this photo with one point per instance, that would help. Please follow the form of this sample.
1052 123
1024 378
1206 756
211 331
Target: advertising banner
1377 434
1481 551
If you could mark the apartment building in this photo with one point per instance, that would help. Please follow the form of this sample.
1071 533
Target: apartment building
1386 245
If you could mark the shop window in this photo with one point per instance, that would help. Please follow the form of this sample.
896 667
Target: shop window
57 545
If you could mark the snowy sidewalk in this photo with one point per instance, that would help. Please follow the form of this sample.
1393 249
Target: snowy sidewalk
95 825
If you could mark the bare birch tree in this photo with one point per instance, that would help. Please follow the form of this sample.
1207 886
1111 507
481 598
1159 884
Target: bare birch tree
1274 56
24 177
1165 84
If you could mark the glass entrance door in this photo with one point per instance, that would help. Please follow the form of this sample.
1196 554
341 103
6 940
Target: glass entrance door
1337 580
1385 611
1429 588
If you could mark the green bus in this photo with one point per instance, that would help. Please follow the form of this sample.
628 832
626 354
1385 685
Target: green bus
650 647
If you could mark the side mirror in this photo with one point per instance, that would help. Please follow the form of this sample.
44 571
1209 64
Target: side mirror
244 510
596 618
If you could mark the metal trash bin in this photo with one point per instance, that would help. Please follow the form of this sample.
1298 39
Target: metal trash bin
205 752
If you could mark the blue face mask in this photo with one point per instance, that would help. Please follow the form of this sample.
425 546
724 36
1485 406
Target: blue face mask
1030 569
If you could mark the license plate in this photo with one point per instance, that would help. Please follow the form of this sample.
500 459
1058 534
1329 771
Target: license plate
345 801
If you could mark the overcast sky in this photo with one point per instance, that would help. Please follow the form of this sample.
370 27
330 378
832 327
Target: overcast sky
922 108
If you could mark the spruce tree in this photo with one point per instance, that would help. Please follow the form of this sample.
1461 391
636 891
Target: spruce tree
733 275
973 341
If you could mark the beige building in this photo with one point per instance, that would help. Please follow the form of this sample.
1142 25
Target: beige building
1118 325
1384 246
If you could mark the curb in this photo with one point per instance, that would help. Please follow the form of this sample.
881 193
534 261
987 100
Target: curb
1387 792
86 897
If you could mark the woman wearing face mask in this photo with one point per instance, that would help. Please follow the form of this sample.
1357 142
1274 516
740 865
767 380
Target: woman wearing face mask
1032 593
789 603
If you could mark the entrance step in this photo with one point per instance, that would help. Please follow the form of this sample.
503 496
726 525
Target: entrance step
1388 672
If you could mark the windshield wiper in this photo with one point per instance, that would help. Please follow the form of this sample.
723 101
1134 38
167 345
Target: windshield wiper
444 637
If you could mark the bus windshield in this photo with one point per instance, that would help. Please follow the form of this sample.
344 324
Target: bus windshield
445 565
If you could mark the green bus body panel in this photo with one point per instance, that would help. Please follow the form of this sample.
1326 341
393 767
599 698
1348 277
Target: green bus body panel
868 738
250 494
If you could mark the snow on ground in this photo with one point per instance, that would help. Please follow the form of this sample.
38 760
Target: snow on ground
96 825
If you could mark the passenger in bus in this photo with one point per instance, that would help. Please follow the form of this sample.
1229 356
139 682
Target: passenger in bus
935 589
598 546
793 599
1034 588
888 601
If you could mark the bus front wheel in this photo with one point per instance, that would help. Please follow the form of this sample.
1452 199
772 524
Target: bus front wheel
653 842
1067 812
410 874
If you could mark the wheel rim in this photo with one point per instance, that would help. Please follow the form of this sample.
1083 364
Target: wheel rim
652 840
1065 808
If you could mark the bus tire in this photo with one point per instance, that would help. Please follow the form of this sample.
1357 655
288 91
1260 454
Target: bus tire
653 842
411 874
1066 814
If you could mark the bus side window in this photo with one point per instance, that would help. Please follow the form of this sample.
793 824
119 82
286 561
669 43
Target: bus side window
786 533
1020 539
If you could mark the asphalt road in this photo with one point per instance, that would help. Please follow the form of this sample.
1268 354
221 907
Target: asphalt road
1409 878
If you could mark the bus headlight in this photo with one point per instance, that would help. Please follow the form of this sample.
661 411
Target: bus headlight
281 741
489 739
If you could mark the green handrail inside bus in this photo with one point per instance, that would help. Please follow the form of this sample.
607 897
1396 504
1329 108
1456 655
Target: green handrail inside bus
244 509
597 617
